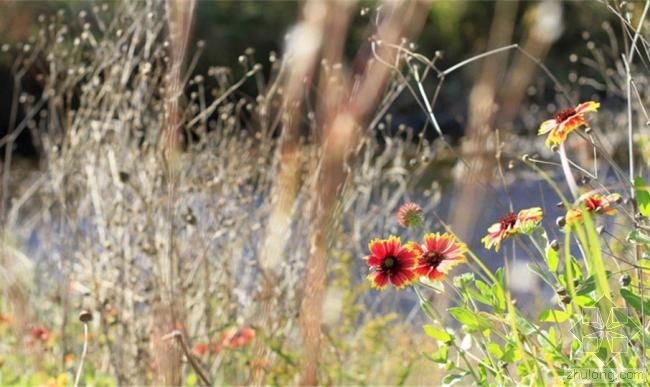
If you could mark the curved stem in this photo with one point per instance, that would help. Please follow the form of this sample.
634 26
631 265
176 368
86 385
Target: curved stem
84 351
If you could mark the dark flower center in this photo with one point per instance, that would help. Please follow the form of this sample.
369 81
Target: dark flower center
389 263
433 258
592 204
508 221
564 114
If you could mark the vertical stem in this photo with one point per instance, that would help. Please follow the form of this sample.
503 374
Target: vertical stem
169 359
627 63
84 351
568 174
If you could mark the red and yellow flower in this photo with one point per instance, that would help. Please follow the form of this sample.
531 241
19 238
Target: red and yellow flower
511 224
235 337
390 262
566 122
438 255
594 203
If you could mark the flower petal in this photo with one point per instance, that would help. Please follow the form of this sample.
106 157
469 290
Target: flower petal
546 127
590 106
377 247
378 279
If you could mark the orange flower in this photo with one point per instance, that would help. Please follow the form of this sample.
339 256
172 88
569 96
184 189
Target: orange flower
261 362
6 318
409 215
566 122
391 262
594 203
69 359
511 224
438 255
41 332
200 349
235 337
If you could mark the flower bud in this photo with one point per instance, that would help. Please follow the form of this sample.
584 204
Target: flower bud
409 215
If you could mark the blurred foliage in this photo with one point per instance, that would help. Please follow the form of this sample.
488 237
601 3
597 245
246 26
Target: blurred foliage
459 28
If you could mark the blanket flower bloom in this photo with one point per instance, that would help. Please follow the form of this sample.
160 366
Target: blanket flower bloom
235 337
409 215
511 224
566 122
593 203
438 255
391 262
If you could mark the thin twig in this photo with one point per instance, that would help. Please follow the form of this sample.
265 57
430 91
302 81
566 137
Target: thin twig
180 339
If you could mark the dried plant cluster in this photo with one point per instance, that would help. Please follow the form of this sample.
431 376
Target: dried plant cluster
154 242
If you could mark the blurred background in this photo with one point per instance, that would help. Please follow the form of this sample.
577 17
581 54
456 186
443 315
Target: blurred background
171 183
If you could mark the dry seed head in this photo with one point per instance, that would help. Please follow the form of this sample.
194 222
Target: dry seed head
626 280
85 316
555 245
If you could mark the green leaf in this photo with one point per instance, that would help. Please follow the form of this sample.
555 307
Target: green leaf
509 354
587 287
524 326
482 373
636 302
552 258
584 300
499 298
552 337
629 321
437 333
453 378
500 276
483 288
441 355
471 320
636 236
642 196
552 315
463 316
495 350
479 297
